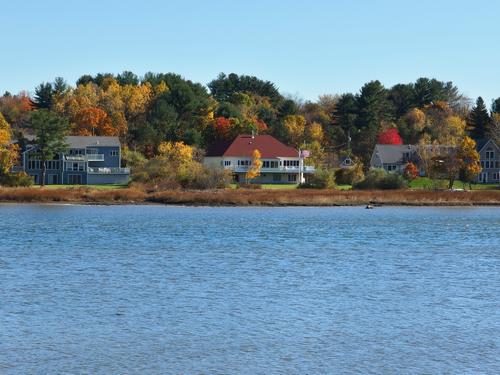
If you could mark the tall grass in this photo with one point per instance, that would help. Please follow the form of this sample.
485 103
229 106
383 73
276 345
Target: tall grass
244 197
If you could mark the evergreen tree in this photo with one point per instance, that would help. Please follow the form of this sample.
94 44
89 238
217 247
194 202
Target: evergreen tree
374 107
50 131
43 96
495 107
479 120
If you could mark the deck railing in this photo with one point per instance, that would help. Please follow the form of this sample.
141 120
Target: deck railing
108 170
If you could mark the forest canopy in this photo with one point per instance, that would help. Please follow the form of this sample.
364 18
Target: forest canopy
165 107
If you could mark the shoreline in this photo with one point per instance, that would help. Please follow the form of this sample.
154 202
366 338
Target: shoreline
251 197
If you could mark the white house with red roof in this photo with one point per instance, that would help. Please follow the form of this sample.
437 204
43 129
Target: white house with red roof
281 164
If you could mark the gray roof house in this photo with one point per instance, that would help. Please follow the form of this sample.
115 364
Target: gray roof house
489 153
87 160
393 158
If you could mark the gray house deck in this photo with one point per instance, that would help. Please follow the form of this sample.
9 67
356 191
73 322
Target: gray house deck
88 160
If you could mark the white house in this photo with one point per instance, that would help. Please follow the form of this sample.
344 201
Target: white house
281 164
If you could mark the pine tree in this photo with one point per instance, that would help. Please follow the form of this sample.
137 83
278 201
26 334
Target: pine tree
479 120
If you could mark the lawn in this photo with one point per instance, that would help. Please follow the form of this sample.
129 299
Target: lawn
98 187
427 183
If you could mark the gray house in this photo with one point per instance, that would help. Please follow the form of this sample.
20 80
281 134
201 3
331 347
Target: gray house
393 158
489 153
88 160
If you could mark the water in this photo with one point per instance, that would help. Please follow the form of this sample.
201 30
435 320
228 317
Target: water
176 290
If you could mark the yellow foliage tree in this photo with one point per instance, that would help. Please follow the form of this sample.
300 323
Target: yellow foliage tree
8 152
315 132
470 160
254 170
176 152
295 126
136 98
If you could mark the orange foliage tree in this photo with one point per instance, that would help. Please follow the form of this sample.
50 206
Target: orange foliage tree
254 170
93 121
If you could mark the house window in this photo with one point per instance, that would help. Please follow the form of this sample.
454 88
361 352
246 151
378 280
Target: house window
291 163
495 176
292 178
76 151
243 162
490 154
227 163
113 153
75 167
276 177
266 164
391 167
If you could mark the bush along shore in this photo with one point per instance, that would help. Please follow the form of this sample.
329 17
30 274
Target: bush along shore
251 197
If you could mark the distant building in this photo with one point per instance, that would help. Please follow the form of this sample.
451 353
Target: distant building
489 153
88 160
393 158
281 164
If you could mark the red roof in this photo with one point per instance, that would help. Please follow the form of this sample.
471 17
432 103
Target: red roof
244 145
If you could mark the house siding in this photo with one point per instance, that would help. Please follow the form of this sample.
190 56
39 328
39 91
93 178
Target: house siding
106 171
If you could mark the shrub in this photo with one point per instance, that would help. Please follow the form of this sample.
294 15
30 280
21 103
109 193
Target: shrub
159 174
321 179
378 178
410 172
16 179
349 176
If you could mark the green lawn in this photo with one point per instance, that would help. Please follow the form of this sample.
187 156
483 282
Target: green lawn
427 183
99 187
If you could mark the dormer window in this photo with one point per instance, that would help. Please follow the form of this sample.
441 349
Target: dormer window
490 154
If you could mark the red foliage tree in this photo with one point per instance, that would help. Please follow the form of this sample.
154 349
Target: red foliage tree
223 127
261 126
411 171
390 137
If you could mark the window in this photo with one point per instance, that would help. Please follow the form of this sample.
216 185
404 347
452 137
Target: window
391 167
227 163
53 164
276 177
265 164
292 178
113 153
490 154
291 163
33 164
274 164
76 151
243 162
75 167
495 176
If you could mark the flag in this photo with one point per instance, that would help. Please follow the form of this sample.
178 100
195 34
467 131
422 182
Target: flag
304 154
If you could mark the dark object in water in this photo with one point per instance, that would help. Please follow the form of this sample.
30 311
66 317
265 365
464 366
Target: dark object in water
370 206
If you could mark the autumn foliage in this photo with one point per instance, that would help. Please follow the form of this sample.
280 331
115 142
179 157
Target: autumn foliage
410 171
93 121
254 170
390 137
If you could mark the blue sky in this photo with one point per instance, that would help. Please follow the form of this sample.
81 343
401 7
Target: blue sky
307 48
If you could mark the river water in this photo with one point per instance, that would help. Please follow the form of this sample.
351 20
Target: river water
195 290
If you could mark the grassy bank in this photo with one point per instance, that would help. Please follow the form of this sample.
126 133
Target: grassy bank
243 197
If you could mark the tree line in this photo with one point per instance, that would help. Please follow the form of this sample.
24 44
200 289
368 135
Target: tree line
155 108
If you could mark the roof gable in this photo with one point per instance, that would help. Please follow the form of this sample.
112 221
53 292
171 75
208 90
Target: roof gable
244 145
